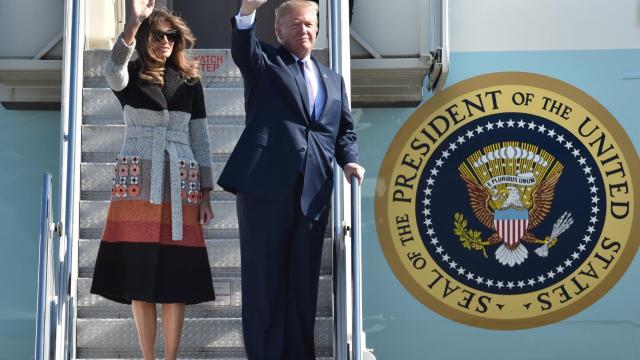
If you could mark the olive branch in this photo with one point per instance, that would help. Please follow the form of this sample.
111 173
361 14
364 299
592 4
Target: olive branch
469 238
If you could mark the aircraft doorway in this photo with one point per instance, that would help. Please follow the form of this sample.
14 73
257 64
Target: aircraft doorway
210 21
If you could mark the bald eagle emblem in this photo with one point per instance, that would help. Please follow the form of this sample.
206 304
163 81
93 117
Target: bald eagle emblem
511 187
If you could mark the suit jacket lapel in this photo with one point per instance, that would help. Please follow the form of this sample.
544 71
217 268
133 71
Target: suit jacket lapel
292 66
323 81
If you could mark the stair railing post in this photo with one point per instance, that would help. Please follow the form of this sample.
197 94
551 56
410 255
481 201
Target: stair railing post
71 111
356 263
45 273
340 63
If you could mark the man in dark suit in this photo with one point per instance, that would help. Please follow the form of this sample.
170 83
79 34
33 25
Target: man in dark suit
297 122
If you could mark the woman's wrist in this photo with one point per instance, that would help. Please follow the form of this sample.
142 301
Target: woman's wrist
134 20
130 29
205 193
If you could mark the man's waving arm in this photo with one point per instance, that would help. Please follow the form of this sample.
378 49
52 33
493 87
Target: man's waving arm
245 48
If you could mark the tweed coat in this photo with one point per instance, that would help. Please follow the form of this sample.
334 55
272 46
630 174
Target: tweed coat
152 246
171 120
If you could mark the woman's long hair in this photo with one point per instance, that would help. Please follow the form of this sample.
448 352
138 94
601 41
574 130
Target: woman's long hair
153 67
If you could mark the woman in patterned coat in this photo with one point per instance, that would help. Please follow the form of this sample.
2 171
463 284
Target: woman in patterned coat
152 249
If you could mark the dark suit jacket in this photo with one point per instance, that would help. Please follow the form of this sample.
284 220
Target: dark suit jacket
279 132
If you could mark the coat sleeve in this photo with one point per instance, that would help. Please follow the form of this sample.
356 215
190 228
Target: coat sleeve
346 147
117 68
246 50
199 137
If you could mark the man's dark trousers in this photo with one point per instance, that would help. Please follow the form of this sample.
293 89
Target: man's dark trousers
281 258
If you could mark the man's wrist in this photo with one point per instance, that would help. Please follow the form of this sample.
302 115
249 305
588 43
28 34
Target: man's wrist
245 22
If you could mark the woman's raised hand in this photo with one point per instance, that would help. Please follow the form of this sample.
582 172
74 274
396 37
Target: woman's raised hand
249 6
141 9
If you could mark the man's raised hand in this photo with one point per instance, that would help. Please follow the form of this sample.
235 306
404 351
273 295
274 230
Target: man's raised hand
249 6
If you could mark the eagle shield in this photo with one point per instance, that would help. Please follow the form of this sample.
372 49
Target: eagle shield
511 225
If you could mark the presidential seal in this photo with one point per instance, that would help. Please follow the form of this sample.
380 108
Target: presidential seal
508 201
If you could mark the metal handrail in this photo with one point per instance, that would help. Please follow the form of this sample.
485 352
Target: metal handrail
439 44
356 269
45 300
71 92
340 332
339 270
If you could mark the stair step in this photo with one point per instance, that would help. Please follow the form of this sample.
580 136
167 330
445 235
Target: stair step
210 354
216 196
109 138
209 233
223 69
109 157
102 338
94 213
97 178
218 102
205 356
100 82
119 120
227 304
223 226
224 256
